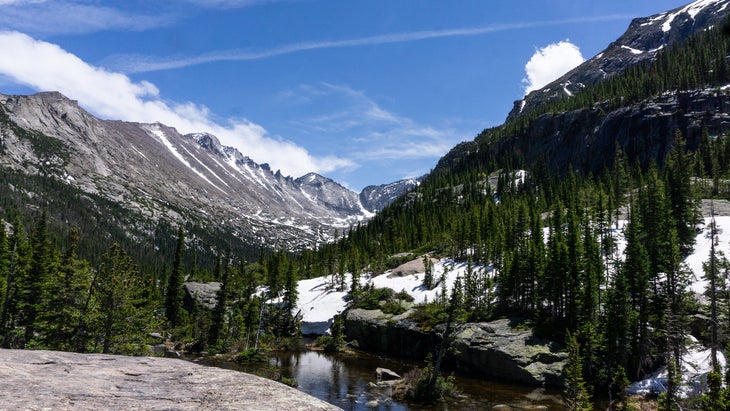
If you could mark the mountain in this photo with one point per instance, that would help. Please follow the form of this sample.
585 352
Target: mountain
375 198
157 174
622 98
644 38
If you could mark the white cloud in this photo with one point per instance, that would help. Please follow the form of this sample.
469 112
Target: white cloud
45 66
549 63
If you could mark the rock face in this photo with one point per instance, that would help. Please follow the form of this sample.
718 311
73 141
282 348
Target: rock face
68 381
586 139
497 350
412 267
493 349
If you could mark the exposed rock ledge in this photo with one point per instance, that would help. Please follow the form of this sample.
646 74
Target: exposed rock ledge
53 380
494 349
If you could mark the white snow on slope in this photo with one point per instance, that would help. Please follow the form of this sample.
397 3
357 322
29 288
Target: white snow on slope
205 166
157 132
692 9
141 154
632 50
318 301
696 364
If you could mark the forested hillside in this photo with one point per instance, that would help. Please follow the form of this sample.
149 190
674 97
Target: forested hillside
548 229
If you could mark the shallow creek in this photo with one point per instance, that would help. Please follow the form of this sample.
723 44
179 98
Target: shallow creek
344 380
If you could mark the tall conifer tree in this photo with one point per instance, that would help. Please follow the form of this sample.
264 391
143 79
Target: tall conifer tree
173 296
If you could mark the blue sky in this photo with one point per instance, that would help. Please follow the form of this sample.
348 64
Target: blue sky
364 92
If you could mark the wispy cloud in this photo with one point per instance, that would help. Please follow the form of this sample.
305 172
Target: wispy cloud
229 4
45 66
373 132
131 63
42 18
19 2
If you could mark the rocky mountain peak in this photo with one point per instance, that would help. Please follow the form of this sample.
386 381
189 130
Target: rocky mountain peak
209 142
643 39
375 198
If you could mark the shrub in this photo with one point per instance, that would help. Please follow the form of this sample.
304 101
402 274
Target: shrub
393 307
250 356
289 381
371 298
421 388
403 295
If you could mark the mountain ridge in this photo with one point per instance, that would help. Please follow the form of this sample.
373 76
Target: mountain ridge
160 173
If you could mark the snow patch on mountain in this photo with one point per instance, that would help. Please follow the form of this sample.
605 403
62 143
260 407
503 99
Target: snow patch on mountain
156 131
632 50
692 9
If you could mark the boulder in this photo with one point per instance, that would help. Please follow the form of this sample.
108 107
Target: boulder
385 374
411 267
491 349
390 334
497 350
204 294
32 380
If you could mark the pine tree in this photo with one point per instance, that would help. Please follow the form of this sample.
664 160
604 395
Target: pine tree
290 287
592 268
64 300
636 272
683 200
715 398
4 260
10 295
557 267
575 395
216 332
121 318
174 294
31 286
428 274
712 275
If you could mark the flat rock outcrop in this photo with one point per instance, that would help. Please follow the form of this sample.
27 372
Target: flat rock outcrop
494 349
51 380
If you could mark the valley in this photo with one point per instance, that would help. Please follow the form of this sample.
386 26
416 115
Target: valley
579 250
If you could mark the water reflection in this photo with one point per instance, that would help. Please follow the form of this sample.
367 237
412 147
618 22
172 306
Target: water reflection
346 381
